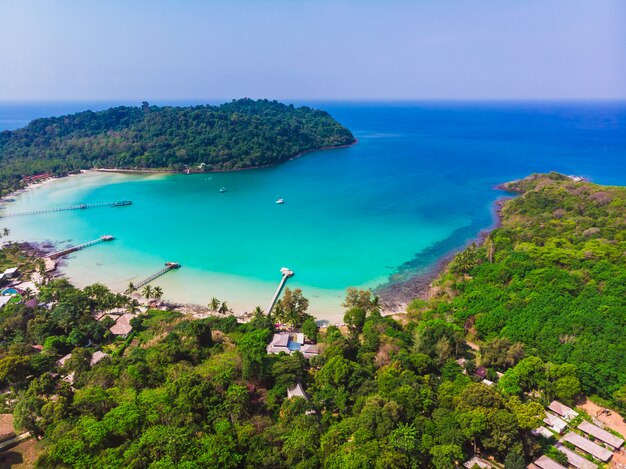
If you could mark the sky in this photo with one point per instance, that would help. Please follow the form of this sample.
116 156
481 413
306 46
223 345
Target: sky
313 49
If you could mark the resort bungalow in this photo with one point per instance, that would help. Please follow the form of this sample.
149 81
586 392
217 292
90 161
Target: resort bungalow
542 431
96 357
574 459
61 361
289 342
297 391
121 330
477 462
562 410
601 435
11 272
481 372
588 446
554 423
544 462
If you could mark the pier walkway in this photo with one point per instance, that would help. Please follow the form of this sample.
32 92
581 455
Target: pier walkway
168 266
78 247
286 274
121 203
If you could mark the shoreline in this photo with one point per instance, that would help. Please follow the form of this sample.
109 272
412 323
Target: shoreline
7 197
396 296
248 168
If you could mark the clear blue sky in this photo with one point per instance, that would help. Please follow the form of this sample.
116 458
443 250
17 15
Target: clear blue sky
301 49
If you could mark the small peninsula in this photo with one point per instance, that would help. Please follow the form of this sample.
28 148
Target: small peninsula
241 134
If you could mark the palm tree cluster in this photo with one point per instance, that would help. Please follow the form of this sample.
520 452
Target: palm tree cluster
218 306
152 292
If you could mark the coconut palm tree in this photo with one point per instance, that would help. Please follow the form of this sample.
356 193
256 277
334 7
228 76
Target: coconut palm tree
40 265
257 311
6 231
147 292
214 304
224 309
157 293
28 293
132 306
131 288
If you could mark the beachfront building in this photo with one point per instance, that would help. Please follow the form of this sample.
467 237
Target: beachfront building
544 462
287 342
574 459
477 462
562 410
555 423
11 272
588 446
601 435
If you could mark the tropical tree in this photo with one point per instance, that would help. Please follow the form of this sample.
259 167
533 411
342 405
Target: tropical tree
214 304
40 265
157 293
28 293
291 308
130 289
132 306
147 292
224 309
6 232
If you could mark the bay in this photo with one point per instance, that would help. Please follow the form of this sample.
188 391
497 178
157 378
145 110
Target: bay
419 183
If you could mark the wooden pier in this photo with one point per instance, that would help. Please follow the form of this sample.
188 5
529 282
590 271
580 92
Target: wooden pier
121 203
65 252
168 266
286 274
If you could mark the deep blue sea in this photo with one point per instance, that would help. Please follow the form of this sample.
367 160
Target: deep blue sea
419 184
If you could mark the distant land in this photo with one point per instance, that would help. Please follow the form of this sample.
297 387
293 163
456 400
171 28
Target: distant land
240 134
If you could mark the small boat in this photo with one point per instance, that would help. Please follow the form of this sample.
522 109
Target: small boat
222 190
280 201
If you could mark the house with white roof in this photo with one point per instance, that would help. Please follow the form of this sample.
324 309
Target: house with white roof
555 423
290 342
297 391
11 272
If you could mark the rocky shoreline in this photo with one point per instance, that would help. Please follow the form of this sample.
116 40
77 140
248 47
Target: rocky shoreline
395 295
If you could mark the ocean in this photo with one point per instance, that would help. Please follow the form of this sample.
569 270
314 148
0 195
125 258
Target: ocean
420 183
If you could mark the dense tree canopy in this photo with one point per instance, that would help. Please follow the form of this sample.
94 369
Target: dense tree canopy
240 134
551 281
384 392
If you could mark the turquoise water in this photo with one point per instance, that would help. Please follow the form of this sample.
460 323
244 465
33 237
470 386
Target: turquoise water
419 183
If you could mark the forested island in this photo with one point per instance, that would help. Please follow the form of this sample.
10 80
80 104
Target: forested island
244 133
535 313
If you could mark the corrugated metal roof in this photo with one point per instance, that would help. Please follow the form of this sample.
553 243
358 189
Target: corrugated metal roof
588 446
601 434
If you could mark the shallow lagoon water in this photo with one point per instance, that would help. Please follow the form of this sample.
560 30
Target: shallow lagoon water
419 183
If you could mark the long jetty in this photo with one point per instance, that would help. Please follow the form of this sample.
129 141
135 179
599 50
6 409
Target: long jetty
78 247
168 266
121 203
286 274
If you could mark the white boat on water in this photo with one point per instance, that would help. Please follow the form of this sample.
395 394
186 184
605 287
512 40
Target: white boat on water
222 190
280 201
